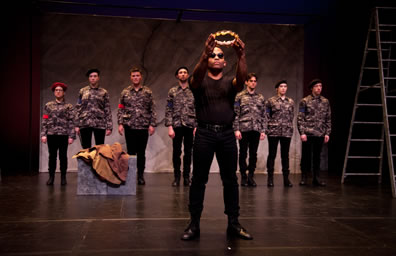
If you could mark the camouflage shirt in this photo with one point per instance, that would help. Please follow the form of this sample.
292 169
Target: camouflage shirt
58 119
280 115
93 109
314 116
180 108
136 109
249 112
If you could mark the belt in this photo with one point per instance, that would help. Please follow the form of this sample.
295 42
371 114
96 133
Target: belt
215 127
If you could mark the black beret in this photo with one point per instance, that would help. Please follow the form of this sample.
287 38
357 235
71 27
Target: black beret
313 82
92 70
280 82
177 70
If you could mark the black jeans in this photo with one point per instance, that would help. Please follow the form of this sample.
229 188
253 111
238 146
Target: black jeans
55 143
250 140
207 143
272 150
311 150
136 142
86 136
182 135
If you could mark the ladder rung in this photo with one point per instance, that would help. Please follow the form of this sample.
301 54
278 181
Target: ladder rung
370 86
388 59
375 68
376 49
362 173
368 105
392 116
388 42
364 140
361 122
387 25
390 78
391 97
381 30
392 135
364 157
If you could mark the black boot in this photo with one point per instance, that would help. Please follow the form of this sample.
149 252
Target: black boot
316 180
286 181
303 181
235 229
63 179
244 181
251 181
176 181
186 181
140 178
192 231
270 182
51 178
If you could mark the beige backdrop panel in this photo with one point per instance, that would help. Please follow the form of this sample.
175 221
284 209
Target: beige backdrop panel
72 44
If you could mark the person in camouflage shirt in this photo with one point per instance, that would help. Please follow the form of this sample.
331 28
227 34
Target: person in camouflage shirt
137 118
57 131
314 126
93 113
181 122
280 114
249 127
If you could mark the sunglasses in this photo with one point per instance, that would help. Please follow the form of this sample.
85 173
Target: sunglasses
213 55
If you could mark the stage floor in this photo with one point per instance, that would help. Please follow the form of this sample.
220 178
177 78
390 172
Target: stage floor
358 218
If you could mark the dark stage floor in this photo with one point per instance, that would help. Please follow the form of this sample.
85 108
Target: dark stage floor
352 219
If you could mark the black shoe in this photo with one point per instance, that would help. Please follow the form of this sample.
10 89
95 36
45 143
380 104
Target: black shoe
287 183
50 181
244 182
251 182
141 181
236 230
192 232
270 182
63 180
176 182
303 181
186 182
318 183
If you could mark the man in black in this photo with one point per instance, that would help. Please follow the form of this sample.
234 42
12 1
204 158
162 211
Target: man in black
214 99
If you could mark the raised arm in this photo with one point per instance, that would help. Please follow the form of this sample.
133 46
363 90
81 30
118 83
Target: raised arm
202 66
241 72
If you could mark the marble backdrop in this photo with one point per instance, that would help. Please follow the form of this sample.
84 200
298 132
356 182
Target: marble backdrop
72 44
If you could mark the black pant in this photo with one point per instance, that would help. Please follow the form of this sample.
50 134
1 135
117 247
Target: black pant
55 143
187 134
272 150
86 136
207 143
311 150
136 142
250 140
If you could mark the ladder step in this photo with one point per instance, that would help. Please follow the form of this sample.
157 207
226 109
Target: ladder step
388 42
376 49
364 157
368 105
362 122
387 25
368 68
391 97
392 135
362 173
381 30
368 86
366 140
388 59
391 116
390 78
